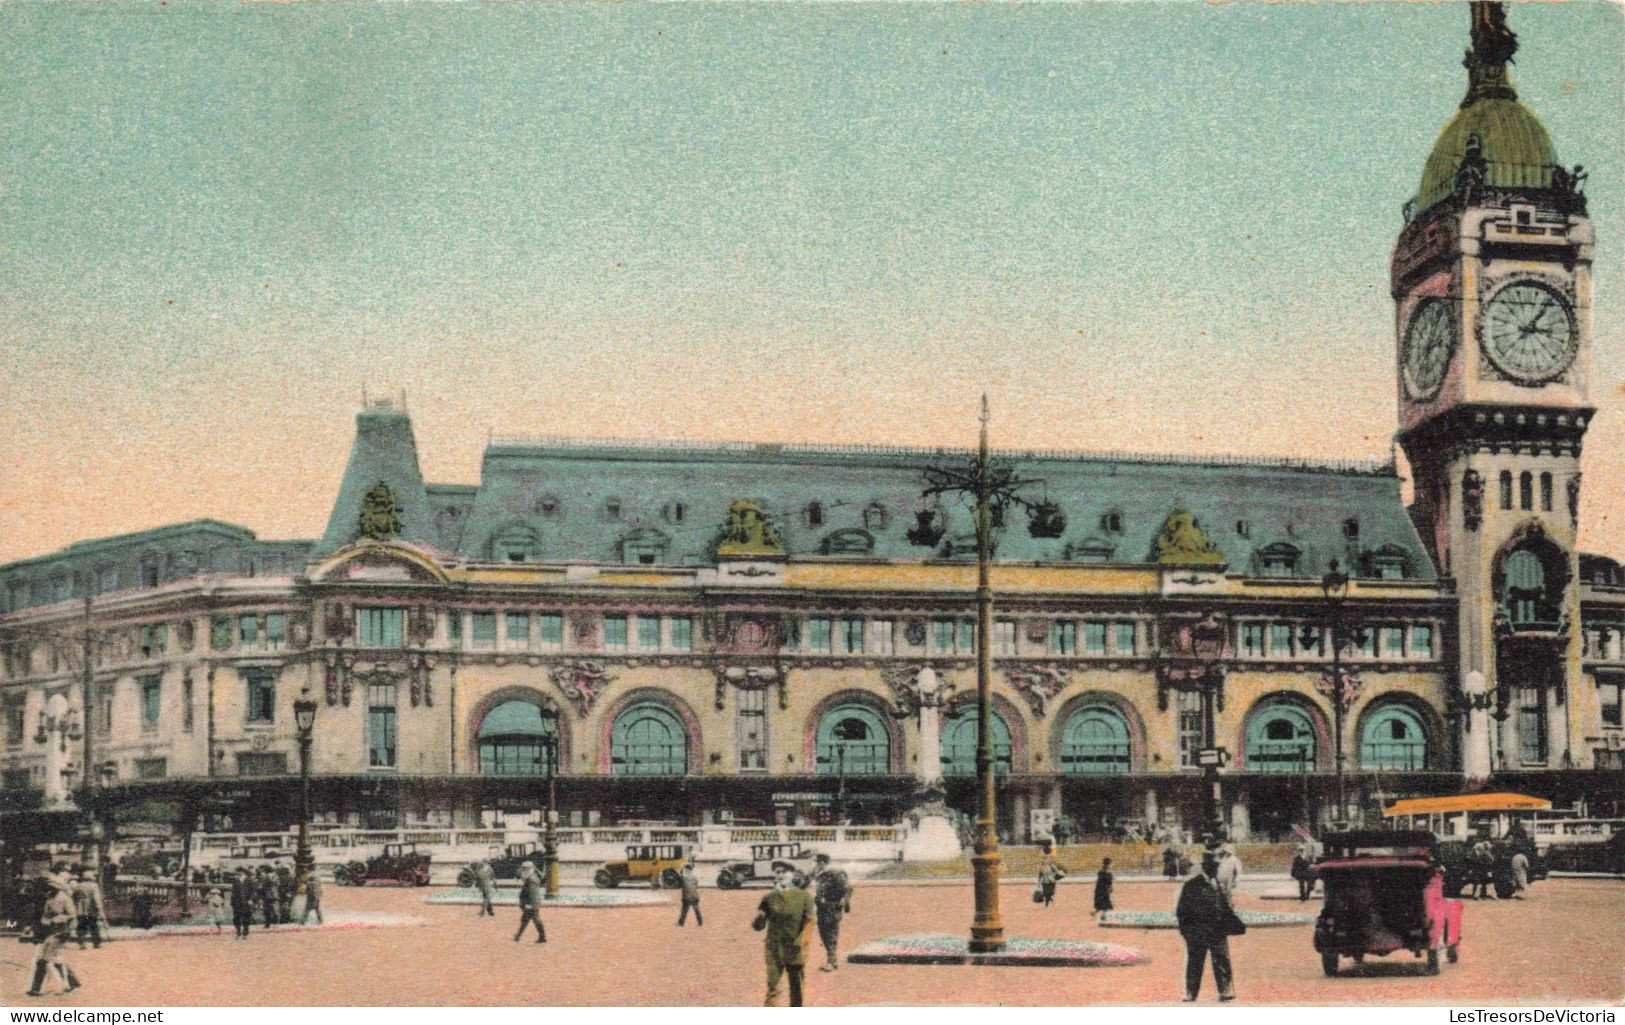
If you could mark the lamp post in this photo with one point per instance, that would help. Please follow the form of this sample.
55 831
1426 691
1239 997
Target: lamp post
1334 585
989 485
550 842
304 718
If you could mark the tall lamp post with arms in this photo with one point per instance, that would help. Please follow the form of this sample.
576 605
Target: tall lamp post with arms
990 486
1339 687
550 841
304 718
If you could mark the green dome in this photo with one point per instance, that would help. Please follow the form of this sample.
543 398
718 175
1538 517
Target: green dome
1515 146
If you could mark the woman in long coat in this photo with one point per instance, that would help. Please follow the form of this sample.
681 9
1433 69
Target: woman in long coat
1103 888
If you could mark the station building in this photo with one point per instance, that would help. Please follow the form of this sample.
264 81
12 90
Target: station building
694 633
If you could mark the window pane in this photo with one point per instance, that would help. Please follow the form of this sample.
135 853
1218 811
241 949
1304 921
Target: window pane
1393 641
484 627
1094 638
649 632
818 634
518 627
682 633
275 627
1422 641
852 636
614 631
942 635
381 736
1124 639
150 693
1280 639
248 628
550 627
1063 638
967 635
454 627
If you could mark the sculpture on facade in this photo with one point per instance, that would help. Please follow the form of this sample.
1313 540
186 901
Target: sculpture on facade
1036 683
748 532
1574 500
581 682
380 514
1181 542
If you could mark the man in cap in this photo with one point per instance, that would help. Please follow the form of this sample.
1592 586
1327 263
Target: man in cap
56 922
87 904
832 899
785 915
530 901
691 896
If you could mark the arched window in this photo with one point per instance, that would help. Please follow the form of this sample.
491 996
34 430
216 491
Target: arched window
1280 738
852 741
1525 596
814 512
1393 739
1094 741
1545 492
515 544
1506 489
1526 491
875 517
959 743
648 740
513 740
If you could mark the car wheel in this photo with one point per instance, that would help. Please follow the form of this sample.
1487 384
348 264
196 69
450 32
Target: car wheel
602 879
726 880
407 877
358 874
465 879
671 878
1433 960
341 876
1328 963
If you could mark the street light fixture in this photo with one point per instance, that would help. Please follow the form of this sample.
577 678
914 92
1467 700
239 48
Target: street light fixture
1342 691
991 486
304 719
550 842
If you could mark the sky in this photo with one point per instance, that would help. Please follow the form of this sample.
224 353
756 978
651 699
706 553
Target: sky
1158 227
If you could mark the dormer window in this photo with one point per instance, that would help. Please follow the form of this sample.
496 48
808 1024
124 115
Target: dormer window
1092 549
674 512
1351 528
1244 528
875 516
645 547
515 544
612 509
849 542
548 505
1111 523
814 513
1278 560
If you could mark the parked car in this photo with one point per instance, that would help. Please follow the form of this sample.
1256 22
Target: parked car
1601 856
1384 893
251 857
148 859
658 864
1456 856
399 862
759 868
506 866
145 902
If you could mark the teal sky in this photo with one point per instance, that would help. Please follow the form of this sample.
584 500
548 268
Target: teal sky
1139 226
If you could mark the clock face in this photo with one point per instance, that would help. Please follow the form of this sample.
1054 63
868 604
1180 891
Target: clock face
1529 332
1428 343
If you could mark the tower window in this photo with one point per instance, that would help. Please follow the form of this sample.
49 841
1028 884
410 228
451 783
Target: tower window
1506 489
612 509
815 514
1526 491
1243 528
1351 528
1112 523
1545 492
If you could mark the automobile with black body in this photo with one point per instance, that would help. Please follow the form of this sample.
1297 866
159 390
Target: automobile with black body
400 863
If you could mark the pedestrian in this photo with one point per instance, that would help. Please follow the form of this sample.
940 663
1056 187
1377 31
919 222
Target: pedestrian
285 887
1303 870
1483 863
1205 918
1170 862
832 899
691 896
1103 888
530 901
88 906
485 880
55 924
1050 872
216 903
1229 874
242 903
313 900
265 888
1520 874
784 915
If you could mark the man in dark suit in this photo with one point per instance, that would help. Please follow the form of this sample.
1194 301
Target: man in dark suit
1204 914
785 914
242 903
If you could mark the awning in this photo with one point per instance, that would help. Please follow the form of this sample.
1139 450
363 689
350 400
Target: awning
1466 802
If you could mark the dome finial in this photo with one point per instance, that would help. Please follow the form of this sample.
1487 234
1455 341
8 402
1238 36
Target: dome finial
1493 47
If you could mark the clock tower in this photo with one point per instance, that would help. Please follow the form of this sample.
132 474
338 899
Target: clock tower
1491 279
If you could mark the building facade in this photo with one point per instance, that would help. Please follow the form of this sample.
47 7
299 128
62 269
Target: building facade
697 633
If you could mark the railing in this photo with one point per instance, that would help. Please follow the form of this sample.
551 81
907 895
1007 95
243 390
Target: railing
619 836
1094 759
649 760
1393 754
844 758
1279 756
960 759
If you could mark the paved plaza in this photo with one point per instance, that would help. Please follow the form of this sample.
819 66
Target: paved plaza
1564 946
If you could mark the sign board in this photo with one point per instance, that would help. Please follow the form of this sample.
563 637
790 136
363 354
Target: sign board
1043 822
1215 756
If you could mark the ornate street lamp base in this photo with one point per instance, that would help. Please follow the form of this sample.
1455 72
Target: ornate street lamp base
987 928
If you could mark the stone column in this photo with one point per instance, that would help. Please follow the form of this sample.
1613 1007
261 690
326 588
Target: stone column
1475 748
929 772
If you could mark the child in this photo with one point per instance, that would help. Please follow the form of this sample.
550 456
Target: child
1103 888
217 907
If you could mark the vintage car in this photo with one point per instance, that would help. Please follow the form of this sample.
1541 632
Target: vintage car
144 902
399 863
506 865
1384 892
251 857
150 859
760 866
1606 856
1459 866
659 864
